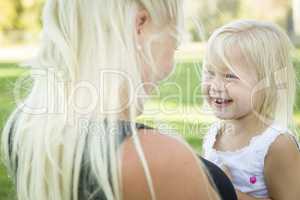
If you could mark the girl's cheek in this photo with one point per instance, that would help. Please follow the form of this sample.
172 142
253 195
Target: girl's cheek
257 99
205 92
232 85
235 91
205 88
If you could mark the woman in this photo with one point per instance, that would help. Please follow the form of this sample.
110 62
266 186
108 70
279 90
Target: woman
74 137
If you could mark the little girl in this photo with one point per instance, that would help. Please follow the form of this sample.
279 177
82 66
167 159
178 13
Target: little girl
249 83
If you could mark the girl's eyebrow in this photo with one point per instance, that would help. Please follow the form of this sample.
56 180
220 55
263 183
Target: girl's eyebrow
208 67
231 72
212 71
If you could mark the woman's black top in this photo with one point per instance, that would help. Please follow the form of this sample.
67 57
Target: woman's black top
88 188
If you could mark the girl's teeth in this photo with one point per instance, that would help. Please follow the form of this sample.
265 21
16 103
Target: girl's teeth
220 101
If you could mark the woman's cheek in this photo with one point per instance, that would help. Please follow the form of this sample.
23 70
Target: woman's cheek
169 63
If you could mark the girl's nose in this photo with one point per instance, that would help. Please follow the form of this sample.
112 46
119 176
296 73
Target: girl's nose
218 85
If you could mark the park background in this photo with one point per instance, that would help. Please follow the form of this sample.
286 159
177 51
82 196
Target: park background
174 106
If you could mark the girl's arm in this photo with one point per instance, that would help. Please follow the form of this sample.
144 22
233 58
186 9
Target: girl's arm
282 169
244 196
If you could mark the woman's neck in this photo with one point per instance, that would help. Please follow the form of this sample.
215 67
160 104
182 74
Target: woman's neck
127 112
126 116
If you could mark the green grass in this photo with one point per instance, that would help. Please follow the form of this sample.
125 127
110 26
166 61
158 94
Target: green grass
183 85
6 186
8 75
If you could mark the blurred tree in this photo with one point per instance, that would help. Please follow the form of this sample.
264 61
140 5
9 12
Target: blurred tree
213 14
270 10
286 13
22 17
7 14
31 18
19 19
19 9
296 16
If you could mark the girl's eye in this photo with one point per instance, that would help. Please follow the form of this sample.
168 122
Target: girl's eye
209 74
231 76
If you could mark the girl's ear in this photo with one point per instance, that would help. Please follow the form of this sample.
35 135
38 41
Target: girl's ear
142 20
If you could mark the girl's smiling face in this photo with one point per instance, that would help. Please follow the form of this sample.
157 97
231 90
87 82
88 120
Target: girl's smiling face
229 91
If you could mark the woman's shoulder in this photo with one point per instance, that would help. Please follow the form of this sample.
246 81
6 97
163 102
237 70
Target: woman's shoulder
166 157
158 148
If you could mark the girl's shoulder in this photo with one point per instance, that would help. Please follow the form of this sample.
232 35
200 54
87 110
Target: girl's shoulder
271 137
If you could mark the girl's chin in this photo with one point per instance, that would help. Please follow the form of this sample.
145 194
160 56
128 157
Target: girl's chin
225 115
230 115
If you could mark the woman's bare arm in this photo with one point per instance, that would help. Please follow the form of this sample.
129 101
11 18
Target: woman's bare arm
174 169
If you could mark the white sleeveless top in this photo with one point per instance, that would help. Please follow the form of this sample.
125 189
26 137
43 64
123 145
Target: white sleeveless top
246 165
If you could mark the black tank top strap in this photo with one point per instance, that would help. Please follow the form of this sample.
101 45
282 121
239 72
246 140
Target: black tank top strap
142 126
220 180
88 187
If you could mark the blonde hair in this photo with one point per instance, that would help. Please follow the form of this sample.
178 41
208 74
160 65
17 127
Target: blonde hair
51 132
267 49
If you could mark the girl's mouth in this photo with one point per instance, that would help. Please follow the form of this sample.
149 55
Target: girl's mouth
220 102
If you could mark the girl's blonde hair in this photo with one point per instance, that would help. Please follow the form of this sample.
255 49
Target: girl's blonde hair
91 45
266 49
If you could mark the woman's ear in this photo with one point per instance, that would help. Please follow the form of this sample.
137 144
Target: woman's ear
142 20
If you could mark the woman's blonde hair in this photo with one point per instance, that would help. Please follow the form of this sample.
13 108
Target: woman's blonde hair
90 45
266 49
